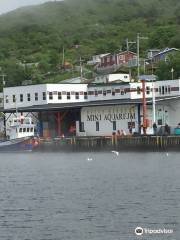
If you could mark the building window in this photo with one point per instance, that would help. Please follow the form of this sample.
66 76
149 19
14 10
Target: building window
163 90
36 96
147 90
166 89
159 90
68 96
77 95
138 90
59 96
104 92
14 98
20 130
96 93
113 92
24 129
169 89
21 97
117 90
81 127
85 95
28 97
44 95
97 126
50 96
114 125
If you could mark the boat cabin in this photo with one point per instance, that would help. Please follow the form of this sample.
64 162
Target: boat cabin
20 128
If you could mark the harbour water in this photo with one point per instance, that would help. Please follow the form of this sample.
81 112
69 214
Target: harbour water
89 196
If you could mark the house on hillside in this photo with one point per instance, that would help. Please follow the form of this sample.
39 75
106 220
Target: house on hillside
123 58
111 62
163 55
96 59
115 77
154 56
152 52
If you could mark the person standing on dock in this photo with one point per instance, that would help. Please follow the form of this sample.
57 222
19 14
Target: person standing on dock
167 129
155 128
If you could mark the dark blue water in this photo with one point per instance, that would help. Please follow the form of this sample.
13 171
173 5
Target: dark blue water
54 196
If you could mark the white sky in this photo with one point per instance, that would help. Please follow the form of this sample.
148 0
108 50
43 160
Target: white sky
9 5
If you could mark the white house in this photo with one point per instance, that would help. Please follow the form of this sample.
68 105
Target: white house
115 77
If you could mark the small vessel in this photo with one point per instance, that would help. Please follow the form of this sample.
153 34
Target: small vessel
20 135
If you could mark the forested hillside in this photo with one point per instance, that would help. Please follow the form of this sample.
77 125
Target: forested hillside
38 34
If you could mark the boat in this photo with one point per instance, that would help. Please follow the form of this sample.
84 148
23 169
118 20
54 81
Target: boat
20 135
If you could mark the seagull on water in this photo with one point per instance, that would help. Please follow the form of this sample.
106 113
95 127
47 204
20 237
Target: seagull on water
115 152
89 159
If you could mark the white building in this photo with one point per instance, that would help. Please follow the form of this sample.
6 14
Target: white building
115 77
101 108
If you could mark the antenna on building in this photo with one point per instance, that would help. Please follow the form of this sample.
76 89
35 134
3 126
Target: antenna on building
3 77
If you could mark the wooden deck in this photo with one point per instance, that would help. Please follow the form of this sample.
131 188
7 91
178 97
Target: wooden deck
135 143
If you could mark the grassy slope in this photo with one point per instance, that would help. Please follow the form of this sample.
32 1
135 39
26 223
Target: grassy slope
37 33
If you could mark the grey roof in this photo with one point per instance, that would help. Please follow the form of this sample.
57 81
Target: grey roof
74 80
148 77
166 50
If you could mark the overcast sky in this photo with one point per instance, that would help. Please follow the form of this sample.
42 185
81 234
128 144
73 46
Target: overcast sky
9 5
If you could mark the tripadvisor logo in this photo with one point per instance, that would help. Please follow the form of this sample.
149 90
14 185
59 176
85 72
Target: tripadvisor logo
139 231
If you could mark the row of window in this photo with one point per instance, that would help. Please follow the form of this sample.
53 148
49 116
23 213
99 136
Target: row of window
44 96
23 130
114 126
105 92
162 90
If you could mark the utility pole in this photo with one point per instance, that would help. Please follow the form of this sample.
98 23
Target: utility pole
127 44
81 69
63 57
154 101
127 49
138 43
172 73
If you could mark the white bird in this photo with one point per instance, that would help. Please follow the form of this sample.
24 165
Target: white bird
167 154
115 152
89 159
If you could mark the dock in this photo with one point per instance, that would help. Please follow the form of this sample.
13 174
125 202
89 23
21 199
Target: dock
133 143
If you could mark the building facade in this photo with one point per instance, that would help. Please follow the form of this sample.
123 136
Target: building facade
95 109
